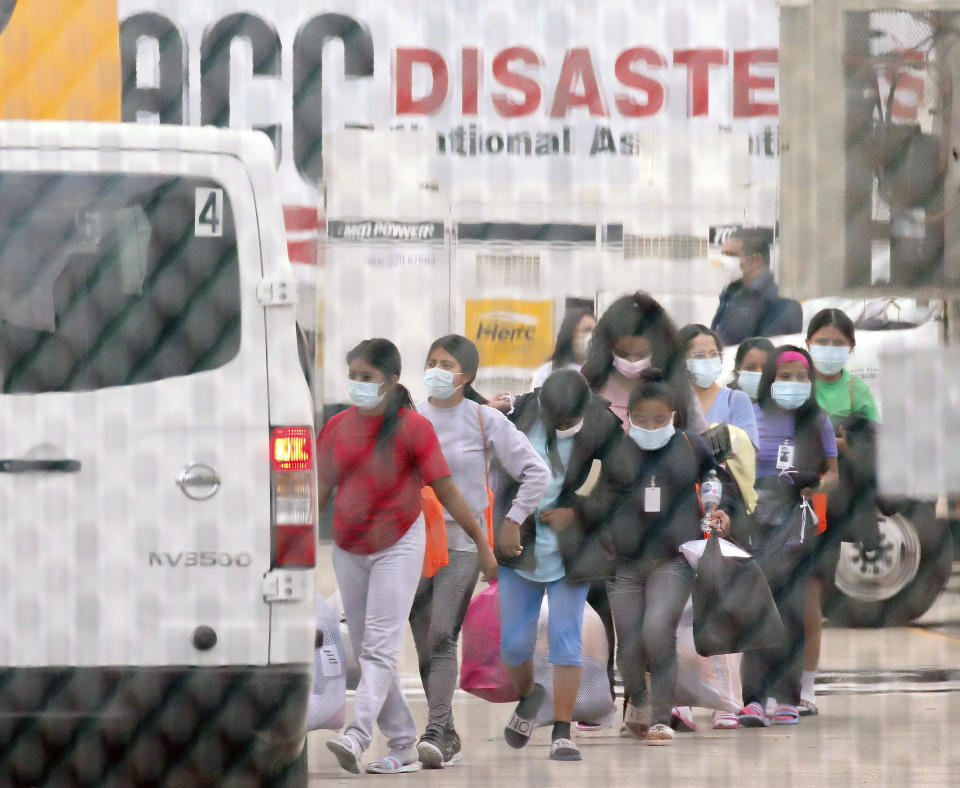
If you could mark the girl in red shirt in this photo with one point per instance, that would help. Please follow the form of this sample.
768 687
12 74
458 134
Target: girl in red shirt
378 454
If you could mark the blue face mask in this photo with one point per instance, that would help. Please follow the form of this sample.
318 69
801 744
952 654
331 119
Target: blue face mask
790 394
439 383
651 440
364 394
829 360
749 382
704 371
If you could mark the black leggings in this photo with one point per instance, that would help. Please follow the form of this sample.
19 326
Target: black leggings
776 672
600 602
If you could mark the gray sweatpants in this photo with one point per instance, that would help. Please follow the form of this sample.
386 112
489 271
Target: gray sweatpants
646 609
377 591
437 615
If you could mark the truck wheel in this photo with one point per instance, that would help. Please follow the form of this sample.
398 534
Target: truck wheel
898 582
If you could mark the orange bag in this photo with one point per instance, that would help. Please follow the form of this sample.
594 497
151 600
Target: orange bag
488 512
820 509
488 516
435 555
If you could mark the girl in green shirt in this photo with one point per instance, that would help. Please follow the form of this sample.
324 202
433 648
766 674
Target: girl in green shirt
830 340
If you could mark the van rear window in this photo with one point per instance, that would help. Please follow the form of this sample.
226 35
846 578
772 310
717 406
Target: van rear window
114 279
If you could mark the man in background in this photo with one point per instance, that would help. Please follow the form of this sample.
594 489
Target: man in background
751 306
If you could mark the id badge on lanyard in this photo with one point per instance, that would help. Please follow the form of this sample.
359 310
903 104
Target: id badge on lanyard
651 497
786 454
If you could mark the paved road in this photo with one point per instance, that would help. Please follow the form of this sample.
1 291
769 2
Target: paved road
890 707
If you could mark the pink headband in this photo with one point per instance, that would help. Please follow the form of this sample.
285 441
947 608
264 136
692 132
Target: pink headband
792 355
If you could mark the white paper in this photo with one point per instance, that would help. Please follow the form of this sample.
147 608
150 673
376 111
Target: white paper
693 549
329 661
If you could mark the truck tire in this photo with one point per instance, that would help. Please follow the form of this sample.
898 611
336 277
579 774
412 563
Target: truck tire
898 583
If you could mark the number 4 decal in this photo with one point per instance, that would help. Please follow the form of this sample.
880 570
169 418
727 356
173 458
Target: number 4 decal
208 213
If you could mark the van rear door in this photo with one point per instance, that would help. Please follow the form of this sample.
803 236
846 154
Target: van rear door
134 435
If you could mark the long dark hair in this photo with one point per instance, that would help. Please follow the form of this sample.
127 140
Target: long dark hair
832 317
383 356
640 315
769 375
563 395
806 417
632 316
752 343
691 331
467 356
564 353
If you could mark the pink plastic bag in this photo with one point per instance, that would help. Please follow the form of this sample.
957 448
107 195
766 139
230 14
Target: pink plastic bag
482 672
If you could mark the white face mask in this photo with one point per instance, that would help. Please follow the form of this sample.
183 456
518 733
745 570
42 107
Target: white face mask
439 383
731 264
651 440
829 359
364 394
750 382
581 344
705 371
790 394
631 369
570 431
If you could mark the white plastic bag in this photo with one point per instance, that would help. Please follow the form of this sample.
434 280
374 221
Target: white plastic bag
350 660
693 549
708 682
594 703
328 699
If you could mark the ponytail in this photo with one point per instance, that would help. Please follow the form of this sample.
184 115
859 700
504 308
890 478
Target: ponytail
382 355
469 392
397 399
467 356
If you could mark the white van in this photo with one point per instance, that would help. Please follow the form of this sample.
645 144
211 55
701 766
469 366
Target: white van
157 489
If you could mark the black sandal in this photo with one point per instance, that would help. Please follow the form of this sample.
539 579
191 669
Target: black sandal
520 727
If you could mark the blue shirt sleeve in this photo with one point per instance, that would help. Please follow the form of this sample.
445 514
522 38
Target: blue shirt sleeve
743 416
827 438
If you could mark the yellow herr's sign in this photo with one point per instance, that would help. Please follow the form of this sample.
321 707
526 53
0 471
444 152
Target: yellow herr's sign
60 60
510 333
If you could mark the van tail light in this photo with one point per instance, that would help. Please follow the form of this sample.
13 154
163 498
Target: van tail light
293 497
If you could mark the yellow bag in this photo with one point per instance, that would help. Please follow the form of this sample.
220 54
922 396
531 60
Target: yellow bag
742 464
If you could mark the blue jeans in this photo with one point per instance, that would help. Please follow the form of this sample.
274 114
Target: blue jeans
520 601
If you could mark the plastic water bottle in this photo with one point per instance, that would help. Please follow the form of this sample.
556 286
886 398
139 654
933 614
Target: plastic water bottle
710 492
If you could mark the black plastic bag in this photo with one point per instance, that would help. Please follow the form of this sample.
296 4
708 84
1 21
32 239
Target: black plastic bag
733 609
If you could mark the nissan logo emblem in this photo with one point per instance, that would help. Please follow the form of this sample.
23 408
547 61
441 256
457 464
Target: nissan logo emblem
198 481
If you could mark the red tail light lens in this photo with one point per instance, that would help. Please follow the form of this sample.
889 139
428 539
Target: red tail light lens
291 448
293 497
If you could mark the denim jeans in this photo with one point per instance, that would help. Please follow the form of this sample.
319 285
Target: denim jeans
646 606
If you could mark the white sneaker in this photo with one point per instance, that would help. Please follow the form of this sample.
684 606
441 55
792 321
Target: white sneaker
660 735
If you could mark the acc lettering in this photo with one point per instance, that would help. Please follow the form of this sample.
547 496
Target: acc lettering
166 101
